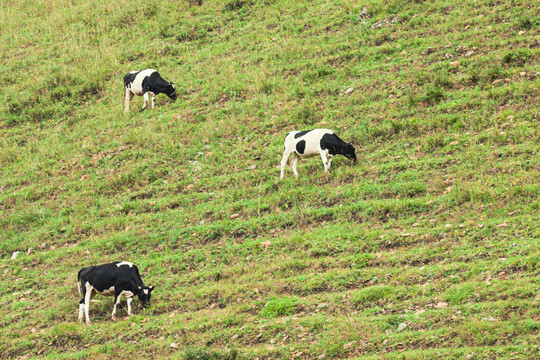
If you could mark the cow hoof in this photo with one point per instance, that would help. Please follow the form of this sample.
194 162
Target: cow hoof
114 318
88 323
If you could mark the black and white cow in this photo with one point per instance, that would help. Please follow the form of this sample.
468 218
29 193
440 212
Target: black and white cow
144 83
114 279
314 142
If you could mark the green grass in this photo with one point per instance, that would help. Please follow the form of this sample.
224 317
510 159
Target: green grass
427 247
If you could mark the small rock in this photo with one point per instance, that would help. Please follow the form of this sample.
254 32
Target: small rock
363 14
253 167
173 345
349 90
14 255
521 32
454 63
379 23
402 327
234 216
523 73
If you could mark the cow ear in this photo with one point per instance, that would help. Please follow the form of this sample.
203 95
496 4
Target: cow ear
151 288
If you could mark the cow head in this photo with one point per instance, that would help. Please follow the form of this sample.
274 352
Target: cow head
349 152
171 91
144 293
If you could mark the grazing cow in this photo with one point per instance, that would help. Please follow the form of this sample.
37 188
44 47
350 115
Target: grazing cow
312 142
114 279
145 83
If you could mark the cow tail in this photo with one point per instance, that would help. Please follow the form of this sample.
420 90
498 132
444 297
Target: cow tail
79 282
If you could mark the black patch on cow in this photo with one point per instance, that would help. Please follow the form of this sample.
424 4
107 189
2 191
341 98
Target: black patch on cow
153 83
301 133
336 146
301 146
333 143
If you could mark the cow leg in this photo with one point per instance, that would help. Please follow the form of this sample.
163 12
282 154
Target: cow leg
129 300
153 99
81 310
87 298
330 157
293 165
117 299
129 96
284 161
81 305
324 160
145 105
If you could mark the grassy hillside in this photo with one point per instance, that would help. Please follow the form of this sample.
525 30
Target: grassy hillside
427 247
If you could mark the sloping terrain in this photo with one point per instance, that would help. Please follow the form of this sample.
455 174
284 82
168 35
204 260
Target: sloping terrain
427 247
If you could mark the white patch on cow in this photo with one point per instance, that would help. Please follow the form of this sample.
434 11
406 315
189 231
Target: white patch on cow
145 291
136 85
127 293
124 263
106 292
